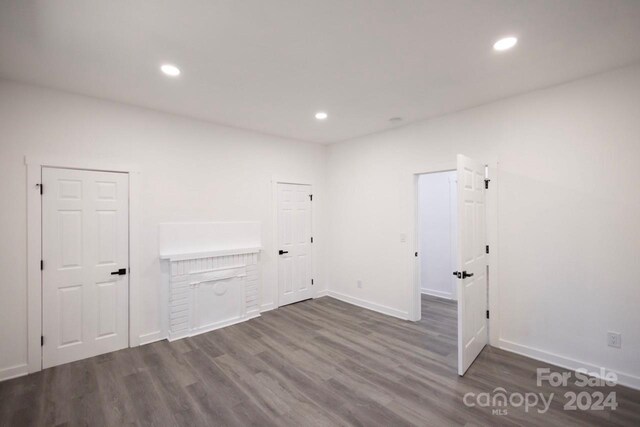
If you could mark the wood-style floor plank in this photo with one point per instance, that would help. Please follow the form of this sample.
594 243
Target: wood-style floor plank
316 363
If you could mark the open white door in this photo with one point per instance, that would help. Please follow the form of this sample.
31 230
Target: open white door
472 265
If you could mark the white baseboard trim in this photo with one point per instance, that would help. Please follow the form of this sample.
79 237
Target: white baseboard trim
321 294
369 305
439 294
14 372
150 337
624 379
267 307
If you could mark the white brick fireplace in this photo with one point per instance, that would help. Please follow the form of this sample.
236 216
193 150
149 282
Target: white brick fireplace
214 288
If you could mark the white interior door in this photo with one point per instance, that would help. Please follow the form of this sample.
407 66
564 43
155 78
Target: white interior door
294 243
85 228
472 264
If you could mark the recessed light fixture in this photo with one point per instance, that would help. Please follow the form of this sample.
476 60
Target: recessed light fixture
321 115
170 70
505 43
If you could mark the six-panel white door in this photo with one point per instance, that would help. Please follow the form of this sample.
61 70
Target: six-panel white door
85 229
294 243
472 264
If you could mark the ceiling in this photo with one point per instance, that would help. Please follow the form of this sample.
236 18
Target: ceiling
269 65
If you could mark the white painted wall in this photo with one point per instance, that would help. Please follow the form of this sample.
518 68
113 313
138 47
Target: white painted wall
189 171
569 235
437 233
568 215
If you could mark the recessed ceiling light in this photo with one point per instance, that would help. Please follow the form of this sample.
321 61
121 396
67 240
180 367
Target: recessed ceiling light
321 115
505 43
170 70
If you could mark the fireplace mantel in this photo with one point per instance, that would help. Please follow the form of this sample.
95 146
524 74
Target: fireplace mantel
181 256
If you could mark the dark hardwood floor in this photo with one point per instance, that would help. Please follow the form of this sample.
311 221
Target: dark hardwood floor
320 362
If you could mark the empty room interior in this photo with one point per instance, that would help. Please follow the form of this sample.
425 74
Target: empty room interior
336 213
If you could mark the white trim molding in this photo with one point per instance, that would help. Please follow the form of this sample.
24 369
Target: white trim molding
624 379
151 337
34 274
14 372
369 305
267 307
491 201
439 294
34 249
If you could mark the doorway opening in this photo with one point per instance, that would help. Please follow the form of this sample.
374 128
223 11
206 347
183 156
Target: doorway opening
437 234
453 235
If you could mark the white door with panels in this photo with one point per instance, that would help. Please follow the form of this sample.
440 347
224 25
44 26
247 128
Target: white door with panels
85 252
294 243
472 262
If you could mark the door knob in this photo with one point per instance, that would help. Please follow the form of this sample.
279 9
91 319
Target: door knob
281 252
465 274
120 272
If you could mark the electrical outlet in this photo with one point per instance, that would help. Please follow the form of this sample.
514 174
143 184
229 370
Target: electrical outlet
360 283
614 339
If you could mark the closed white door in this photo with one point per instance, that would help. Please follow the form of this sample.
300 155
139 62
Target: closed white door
472 264
85 249
294 243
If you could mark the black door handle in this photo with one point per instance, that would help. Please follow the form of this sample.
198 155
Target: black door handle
280 252
456 273
465 274
120 272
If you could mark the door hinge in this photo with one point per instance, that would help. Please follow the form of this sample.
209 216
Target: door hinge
487 314
487 250
41 340
486 184
416 254
312 281
311 197
41 265
40 187
312 240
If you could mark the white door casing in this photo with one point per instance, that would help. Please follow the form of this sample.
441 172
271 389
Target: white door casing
85 227
294 240
472 290
453 229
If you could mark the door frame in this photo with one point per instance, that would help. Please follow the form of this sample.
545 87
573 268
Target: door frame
274 202
491 201
34 248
